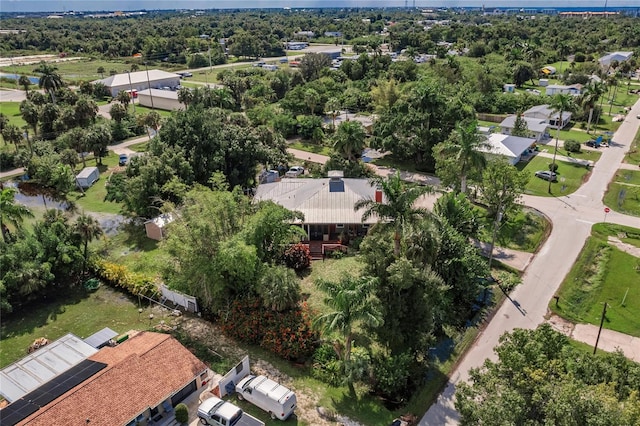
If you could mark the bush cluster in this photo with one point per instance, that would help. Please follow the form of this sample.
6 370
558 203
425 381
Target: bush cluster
287 334
572 145
120 276
326 365
297 257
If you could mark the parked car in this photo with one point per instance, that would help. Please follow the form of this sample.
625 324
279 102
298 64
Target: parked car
283 60
122 161
295 171
592 144
272 397
216 412
547 175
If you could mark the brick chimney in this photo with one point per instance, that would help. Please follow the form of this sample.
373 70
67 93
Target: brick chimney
378 195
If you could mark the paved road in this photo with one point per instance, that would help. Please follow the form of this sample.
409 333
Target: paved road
572 217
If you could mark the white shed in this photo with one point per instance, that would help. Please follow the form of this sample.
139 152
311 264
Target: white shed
87 177
160 99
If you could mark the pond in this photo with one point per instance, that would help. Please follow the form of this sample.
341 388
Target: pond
33 80
36 197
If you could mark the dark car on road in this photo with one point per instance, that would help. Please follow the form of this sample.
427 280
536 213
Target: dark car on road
547 175
122 161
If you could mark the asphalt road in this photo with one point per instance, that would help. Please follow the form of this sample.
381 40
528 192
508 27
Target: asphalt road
572 217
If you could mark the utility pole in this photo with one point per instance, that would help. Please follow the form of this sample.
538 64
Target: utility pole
133 100
604 312
149 85
496 224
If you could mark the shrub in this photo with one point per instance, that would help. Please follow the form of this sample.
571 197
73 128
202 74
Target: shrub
287 334
7 160
297 257
182 413
572 145
391 375
553 167
326 365
119 276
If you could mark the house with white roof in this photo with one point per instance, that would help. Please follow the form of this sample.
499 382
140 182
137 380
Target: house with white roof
555 89
162 99
506 146
537 127
327 203
140 80
607 59
545 112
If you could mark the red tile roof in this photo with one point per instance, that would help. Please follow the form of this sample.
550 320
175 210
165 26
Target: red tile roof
142 372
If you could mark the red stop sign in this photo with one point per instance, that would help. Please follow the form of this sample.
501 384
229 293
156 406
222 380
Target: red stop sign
607 209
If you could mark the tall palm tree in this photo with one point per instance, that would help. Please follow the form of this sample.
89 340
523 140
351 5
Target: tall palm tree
185 96
333 107
279 288
4 121
25 83
349 139
464 145
560 103
12 133
351 301
398 210
589 98
31 114
10 212
87 229
50 80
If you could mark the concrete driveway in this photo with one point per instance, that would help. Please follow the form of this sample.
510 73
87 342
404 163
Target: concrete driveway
572 217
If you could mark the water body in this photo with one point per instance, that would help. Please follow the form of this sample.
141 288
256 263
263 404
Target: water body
33 80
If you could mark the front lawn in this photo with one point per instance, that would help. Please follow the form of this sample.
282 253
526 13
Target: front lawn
570 177
313 147
623 193
525 231
602 273
93 198
584 154
633 155
12 111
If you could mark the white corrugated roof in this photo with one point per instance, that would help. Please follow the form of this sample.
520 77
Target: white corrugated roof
507 145
162 220
312 198
157 93
137 77
41 366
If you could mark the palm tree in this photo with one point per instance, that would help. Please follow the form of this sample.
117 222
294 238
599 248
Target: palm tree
398 210
279 288
101 71
10 212
351 302
311 98
349 139
333 107
153 120
560 103
31 114
589 98
185 96
464 145
25 83
12 133
124 98
4 121
87 229
50 80
86 111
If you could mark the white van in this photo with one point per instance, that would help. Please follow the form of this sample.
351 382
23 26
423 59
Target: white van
272 397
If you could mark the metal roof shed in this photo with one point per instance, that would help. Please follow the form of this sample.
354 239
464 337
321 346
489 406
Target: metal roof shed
101 338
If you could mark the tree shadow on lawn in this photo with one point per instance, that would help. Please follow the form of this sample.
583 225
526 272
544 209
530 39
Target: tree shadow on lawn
38 314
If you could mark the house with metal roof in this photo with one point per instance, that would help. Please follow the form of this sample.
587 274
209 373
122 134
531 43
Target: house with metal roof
138 381
161 99
512 148
608 59
140 80
545 112
537 128
327 204
556 89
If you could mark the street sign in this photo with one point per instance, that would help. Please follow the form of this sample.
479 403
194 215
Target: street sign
607 209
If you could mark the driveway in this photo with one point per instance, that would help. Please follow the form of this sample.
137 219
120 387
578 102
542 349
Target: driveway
572 217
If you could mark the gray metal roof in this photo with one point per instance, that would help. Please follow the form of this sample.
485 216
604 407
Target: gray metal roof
157 93
86 172
313 198
118 80
37 368
101 338
533 124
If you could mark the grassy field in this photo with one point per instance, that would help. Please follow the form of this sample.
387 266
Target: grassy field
573 175
601 274
139 147
77 312
633 155
584 154
93 198
311 147
523 232
144 110
623 193
12 111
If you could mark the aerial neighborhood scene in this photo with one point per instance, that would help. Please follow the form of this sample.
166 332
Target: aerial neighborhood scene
355 213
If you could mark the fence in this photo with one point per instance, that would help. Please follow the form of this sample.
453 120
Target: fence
227 384
187 302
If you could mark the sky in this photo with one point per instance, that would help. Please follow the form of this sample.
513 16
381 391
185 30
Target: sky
112 5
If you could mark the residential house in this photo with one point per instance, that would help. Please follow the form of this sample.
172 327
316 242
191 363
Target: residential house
156 228
609 58
512 148
537 127
161 99
327 204
138 381
555 89
297 45
545 112
140 80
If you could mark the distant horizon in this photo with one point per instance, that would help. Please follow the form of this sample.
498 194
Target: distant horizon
30 6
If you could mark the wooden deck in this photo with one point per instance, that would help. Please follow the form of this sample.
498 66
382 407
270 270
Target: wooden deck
318 249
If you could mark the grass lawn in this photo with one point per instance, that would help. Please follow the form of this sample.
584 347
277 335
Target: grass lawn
585 154
572 174
144 110
633 155
601 274
623 193
12 111
77 312
93 199
523 232
139 147
311 147
391 162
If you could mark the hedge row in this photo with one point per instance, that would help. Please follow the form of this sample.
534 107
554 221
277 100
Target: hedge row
120 276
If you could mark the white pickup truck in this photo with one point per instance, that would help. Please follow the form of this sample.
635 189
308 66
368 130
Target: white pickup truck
216 412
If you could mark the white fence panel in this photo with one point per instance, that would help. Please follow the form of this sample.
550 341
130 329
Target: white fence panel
187 302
